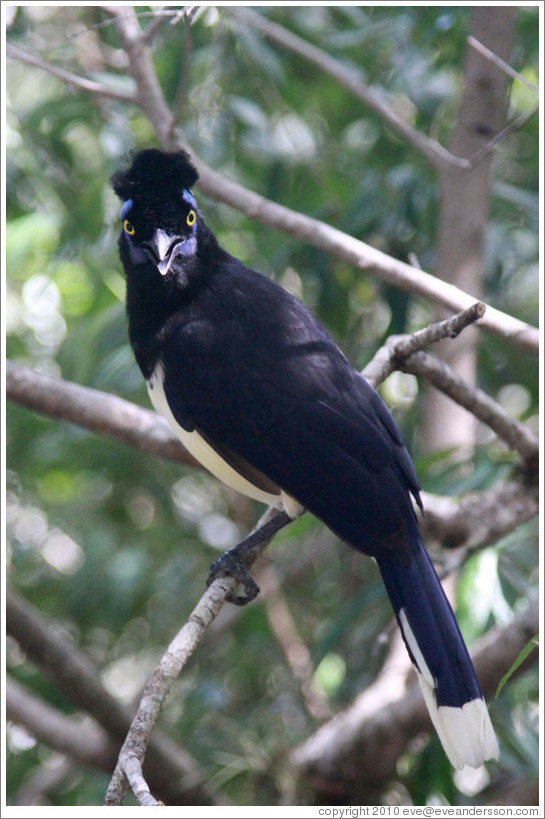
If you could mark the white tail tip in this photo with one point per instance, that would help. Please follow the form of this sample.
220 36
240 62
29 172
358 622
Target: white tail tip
466 733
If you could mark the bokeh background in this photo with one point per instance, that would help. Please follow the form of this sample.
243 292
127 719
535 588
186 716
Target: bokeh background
113 546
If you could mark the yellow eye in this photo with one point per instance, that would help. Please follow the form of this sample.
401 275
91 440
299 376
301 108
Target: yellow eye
128 228
191 218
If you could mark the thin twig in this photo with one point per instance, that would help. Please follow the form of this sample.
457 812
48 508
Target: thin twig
513 126
399 348
352 81
183 81
90 86
160 17
287 635
501 64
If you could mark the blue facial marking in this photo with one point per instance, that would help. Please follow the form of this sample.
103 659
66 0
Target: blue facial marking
189 198
189 247
127 205
136 254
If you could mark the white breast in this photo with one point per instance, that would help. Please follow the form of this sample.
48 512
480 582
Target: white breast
208 457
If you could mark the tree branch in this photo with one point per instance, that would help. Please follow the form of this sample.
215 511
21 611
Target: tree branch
86 743
172 662
150 95
475 401
405 353
479 519
171 769
352 81
499 63
358 749
362 256
96 411
297 654
90 86
399 348
326 238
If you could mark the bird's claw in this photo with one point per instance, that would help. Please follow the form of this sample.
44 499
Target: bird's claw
229 564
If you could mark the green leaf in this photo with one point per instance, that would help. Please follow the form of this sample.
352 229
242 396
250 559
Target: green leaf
526 651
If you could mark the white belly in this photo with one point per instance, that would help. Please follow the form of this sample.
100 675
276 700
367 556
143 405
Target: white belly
208 457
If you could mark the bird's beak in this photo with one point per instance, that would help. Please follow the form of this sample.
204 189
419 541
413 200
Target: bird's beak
163 245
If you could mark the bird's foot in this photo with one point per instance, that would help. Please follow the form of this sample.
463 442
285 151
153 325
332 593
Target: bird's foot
233 562
230 564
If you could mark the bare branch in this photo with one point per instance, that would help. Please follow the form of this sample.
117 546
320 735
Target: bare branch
172 662
71 670
479 519
150 95
362 256
96 411
399 348
172 769
352 81
359 748
475 401
513 126
90 86
405 353
84 742
501 64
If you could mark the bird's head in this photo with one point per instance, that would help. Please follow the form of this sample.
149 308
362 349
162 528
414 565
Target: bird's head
159 215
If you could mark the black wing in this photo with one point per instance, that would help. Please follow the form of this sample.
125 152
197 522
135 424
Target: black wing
259 377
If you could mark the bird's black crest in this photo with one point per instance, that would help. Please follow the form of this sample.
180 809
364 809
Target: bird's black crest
154 172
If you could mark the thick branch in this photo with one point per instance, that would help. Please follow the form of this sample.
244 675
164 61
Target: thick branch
475 401
84 742
479 519
362 256
359 748
96 411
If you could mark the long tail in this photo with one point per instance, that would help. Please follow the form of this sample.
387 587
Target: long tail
438 652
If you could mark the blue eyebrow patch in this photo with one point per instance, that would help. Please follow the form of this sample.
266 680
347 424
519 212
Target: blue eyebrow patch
189 198
127 205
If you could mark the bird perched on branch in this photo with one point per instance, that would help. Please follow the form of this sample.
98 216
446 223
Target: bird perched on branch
260 394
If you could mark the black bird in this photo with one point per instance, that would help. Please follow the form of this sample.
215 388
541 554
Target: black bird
260 394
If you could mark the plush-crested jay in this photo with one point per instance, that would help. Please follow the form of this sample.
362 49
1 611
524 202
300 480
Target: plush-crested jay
260 394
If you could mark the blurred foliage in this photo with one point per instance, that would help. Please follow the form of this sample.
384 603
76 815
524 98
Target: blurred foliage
116 545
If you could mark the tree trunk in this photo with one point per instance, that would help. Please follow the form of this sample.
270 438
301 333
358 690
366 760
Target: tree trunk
464 207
